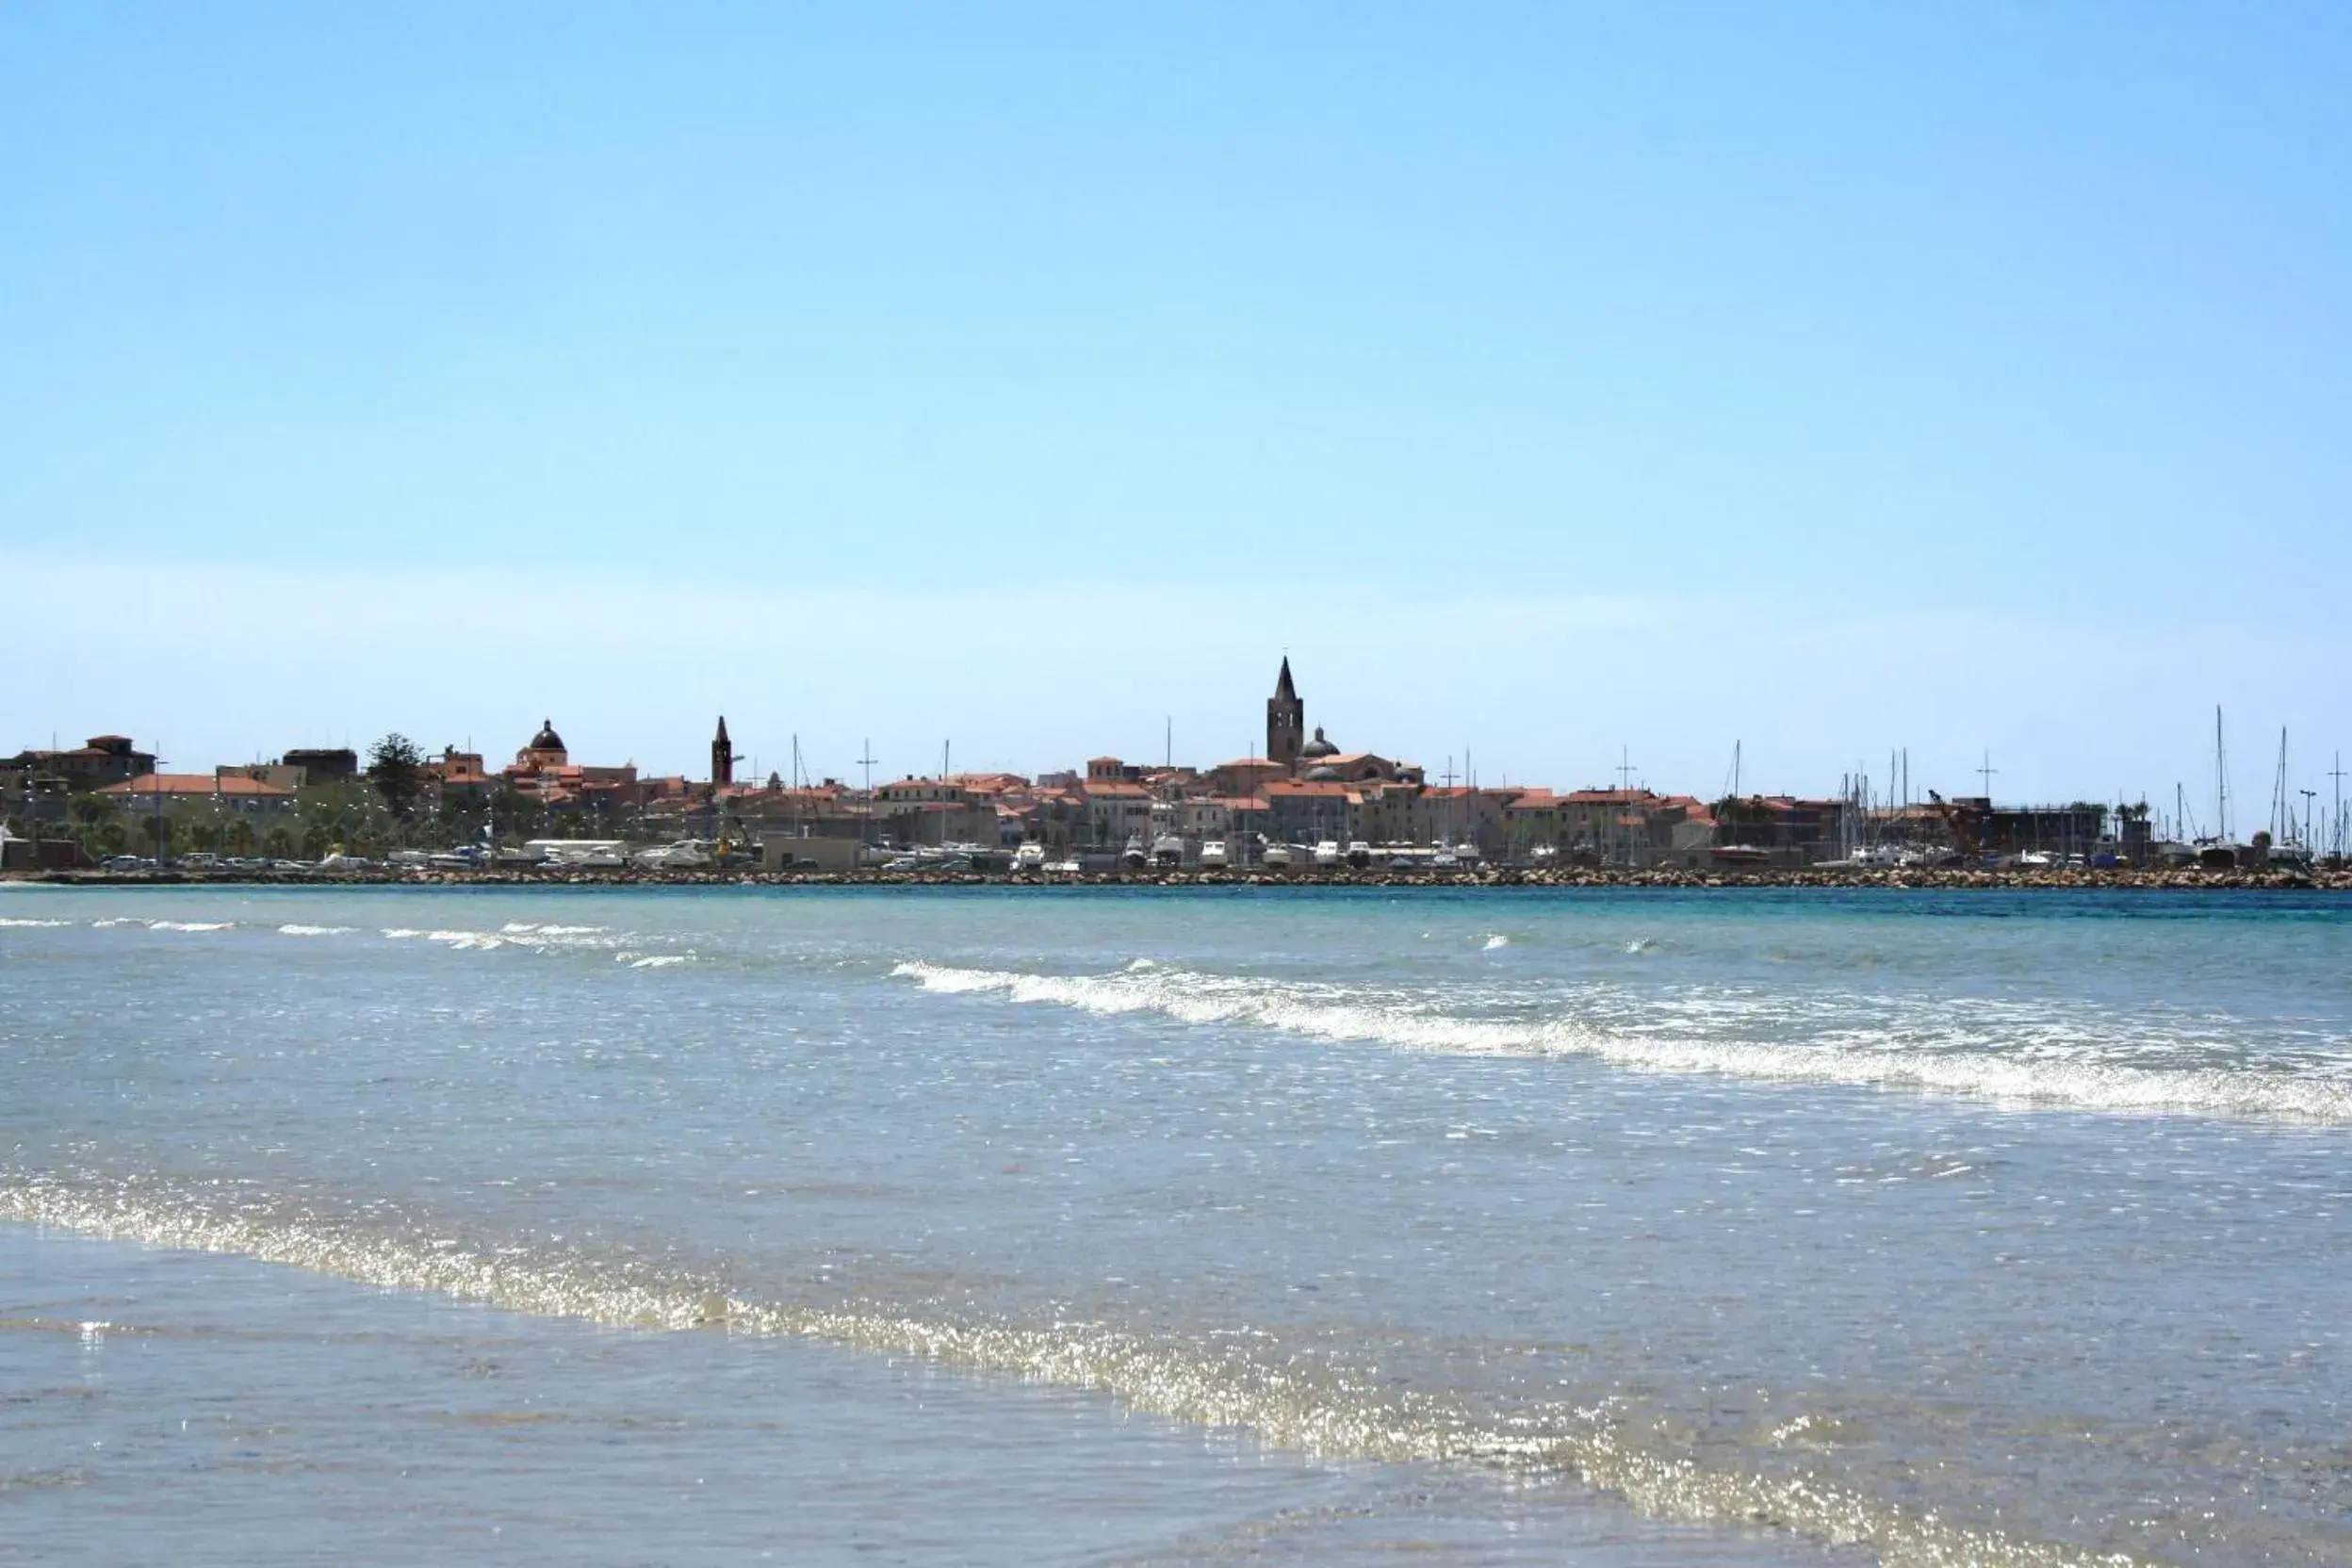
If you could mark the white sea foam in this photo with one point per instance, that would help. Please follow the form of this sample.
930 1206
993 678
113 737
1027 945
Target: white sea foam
2042 1078
315 930
466 939
1640 944
654 960
190 924
1493 940
46 925
1224 1382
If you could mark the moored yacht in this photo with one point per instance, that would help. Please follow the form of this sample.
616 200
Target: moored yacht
681 855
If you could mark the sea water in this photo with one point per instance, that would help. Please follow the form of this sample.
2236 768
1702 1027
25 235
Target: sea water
1174 1226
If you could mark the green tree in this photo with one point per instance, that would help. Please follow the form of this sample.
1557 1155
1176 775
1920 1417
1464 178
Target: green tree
90 815
397 768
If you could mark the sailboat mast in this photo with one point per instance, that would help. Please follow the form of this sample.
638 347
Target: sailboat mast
2282 818
2221 781
2335 832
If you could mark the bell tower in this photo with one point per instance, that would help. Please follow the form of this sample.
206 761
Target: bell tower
722 755
1286 721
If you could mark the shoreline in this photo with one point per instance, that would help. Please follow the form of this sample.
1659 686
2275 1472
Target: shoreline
1499 877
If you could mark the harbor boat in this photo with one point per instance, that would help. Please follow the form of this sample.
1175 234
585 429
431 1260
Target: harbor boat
1133 856
1327 854
681 855
576 854
1029 857
1167 850
1277 857
1869 857
1213 855
1358 853
1740 856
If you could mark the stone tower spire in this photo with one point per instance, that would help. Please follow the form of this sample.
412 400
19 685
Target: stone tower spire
1285 720
722 755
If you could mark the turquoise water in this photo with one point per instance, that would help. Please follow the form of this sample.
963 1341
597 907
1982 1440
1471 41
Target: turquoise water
1281 1225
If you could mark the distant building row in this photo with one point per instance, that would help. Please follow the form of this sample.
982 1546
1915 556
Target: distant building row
1305 791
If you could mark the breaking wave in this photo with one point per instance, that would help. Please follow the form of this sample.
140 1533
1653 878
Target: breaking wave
516 934
315 930
46 925
463 940
1238 1379
1336 1013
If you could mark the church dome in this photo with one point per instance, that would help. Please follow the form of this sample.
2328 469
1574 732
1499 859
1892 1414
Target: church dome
1324 774
547 740
1318 746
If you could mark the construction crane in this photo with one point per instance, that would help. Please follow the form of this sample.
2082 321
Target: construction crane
1962 824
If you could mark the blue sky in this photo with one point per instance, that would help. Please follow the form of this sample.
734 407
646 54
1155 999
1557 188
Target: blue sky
1549 379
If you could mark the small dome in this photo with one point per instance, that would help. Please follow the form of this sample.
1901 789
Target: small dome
1318 746
547 740
1324 774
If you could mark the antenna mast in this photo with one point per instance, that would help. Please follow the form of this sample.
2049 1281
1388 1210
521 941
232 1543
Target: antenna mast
866 761
1624 802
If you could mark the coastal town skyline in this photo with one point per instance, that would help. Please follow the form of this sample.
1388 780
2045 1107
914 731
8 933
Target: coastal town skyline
1562 700
1295 784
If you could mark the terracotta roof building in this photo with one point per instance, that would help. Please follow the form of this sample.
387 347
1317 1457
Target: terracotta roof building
226 787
